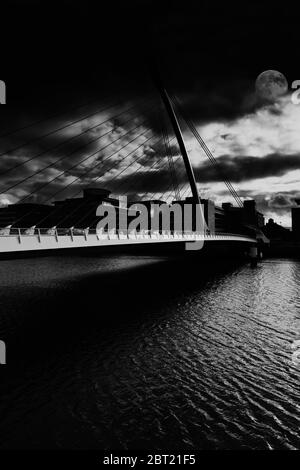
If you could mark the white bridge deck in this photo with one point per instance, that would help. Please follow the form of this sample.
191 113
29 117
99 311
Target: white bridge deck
17 240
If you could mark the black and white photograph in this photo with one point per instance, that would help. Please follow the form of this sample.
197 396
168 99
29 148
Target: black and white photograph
149 230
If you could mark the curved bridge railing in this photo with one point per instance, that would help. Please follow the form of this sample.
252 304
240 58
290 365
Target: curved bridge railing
122 234
36 239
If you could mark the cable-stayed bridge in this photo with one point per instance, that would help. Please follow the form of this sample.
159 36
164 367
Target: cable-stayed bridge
135 151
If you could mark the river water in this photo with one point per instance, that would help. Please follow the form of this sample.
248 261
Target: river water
149 353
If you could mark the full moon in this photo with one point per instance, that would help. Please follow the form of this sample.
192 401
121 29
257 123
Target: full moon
270 85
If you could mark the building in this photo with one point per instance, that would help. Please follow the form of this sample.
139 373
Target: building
77 212
220 220
276 232
251 216
80 212
243 219
209 213
233 218
23 215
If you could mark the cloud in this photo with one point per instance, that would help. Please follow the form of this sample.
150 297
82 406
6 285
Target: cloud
273 128
85 152
281 201
245 168
5 201
235 169
125 159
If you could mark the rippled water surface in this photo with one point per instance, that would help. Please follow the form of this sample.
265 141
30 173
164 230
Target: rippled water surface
144 353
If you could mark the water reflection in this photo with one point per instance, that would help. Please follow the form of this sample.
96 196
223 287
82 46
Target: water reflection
143 353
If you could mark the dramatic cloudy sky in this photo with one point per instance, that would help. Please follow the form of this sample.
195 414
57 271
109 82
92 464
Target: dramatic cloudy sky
59 55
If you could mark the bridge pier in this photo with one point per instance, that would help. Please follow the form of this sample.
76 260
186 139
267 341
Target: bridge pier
253 254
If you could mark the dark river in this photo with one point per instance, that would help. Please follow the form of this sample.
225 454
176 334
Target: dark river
146 353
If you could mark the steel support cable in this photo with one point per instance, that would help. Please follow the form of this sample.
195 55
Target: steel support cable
164 137
155 163
146 174
86 172
166 149
66 156
213 161
81 205
65 141
161 193
105 159
101 176
170 158
181 171
227 183
163 131
81 219
164 134
92 209
129 165
153 174
52 132
185 192
207 151
172 166
133 162
114 192
182 186
167 190
135 172
98 177
48 118
72 167
200 140
151 170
